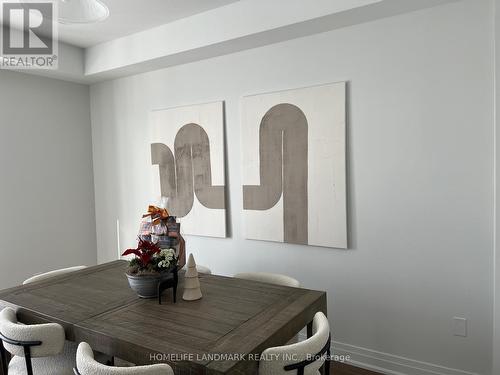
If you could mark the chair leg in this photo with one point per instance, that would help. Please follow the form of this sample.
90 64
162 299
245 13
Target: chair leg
27 357
176 282
3 359
309 329
328 361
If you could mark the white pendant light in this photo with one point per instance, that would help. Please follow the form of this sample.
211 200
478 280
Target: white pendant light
82 11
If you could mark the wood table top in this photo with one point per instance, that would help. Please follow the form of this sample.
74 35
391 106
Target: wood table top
235 318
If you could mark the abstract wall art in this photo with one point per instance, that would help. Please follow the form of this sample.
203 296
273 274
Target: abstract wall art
294 166
187 157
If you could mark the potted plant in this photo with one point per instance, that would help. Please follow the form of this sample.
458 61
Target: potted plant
149 267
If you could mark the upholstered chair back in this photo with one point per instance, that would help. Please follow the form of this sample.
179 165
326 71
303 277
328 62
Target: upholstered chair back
270 278
87 365
47 275
274 360
50 335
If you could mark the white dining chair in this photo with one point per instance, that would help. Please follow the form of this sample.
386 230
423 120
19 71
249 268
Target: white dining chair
201 269
38 349
270 278
303 358
87 365
47 275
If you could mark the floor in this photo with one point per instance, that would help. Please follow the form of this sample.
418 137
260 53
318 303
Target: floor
343 369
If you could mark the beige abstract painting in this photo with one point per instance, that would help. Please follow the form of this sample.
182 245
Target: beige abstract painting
187 157
294 166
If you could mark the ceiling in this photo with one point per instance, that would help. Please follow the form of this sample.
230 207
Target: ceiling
130 16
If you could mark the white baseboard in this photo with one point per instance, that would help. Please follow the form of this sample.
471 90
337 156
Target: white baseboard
387 363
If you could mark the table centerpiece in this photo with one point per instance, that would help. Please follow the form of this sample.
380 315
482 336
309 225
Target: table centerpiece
150 266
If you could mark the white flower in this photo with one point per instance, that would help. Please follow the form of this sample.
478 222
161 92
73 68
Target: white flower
166 256
163 264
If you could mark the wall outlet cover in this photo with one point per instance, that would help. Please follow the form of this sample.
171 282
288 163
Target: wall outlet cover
459 326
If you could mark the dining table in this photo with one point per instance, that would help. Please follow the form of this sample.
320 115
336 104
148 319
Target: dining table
224 332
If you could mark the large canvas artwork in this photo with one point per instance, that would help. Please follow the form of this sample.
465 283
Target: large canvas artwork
187 155
294 167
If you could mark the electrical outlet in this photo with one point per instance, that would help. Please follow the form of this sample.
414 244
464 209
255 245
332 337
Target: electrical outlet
459 326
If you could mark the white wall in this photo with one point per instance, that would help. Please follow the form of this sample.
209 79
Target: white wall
420 176
496 337
46 192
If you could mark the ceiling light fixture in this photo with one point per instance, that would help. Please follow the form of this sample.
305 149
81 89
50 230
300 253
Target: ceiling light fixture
82 11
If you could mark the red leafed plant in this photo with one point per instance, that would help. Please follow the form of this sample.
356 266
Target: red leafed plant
144 253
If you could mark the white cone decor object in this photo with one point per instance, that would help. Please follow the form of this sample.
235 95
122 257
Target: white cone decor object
192 290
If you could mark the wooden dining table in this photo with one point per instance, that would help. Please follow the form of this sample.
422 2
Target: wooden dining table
222 333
